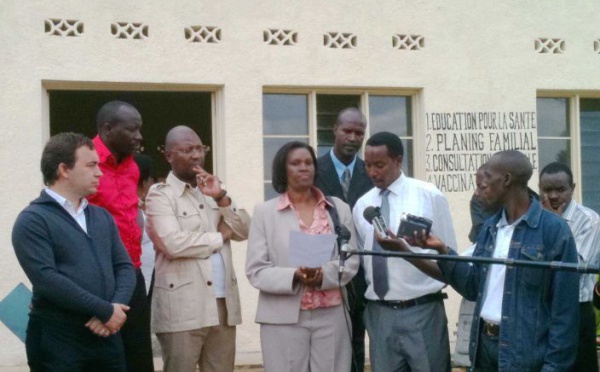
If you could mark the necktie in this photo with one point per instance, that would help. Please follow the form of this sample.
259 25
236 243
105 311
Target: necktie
379 263
346 177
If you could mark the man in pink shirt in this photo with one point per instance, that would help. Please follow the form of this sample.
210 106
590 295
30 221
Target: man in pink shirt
119 125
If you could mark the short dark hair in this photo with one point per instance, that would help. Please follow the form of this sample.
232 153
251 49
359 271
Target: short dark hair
557 167
60 149
514 162
109 113
144 163
389 140
355 115
279 164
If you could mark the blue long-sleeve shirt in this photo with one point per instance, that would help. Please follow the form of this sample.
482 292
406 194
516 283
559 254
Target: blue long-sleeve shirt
75 275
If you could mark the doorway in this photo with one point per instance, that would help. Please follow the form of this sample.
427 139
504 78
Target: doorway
75 111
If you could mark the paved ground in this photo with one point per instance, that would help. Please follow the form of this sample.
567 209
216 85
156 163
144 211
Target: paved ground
244 368
158 365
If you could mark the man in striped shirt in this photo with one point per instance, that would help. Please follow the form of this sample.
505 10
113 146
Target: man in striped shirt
556 191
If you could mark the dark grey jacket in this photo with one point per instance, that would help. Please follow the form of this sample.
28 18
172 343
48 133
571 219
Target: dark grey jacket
75 275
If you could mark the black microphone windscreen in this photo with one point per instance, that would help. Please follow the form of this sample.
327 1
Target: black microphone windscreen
370 213
345 233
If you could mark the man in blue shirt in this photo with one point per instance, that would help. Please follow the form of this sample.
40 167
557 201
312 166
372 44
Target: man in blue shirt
525 319
342 173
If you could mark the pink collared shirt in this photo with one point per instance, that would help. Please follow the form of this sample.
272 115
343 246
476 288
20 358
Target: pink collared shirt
314 298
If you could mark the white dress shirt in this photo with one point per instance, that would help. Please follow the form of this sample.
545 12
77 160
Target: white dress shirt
78 214
218 265
585 226
407 195
148 254
491 311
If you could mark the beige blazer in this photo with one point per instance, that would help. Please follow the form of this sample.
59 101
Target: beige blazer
183 227
268 267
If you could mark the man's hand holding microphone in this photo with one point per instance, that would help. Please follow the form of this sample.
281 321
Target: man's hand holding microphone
389 241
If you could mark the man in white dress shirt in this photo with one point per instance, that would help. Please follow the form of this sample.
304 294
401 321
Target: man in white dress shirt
405 316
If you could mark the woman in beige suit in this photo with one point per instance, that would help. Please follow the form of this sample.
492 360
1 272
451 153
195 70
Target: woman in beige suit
304 323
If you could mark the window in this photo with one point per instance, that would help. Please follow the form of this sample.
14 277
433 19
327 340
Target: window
554 135
569 132
589 117
310 116
285 119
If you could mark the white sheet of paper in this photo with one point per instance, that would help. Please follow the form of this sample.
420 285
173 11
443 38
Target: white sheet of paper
310 250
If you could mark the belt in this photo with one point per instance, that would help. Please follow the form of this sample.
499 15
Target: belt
438 296
491 329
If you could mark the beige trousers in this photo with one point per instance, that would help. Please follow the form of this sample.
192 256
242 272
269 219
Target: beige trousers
211 348
319 342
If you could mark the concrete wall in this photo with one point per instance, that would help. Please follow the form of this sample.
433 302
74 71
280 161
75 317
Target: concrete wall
479 57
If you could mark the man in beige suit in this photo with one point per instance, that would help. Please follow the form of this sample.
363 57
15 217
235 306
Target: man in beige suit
191 220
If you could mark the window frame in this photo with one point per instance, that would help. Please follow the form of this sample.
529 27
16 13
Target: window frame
574 98
418 130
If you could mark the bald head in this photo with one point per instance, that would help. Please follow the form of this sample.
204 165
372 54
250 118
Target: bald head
179 134
515 163
185 153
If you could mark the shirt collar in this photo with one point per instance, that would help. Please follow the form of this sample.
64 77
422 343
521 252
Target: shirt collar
569 212
504 221
64 202
339 166
178 185
396 186
531 217
104 154
284 200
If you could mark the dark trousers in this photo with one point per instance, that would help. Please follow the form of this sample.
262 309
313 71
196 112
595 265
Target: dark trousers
356 298
587 360
136 331
53 347
486 359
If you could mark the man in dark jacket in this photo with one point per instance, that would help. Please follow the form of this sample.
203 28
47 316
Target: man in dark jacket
525 318
81 274
342 173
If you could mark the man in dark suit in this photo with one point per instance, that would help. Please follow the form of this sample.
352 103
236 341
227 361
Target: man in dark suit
342 173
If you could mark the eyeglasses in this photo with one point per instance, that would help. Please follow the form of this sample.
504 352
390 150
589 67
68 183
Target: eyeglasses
190 150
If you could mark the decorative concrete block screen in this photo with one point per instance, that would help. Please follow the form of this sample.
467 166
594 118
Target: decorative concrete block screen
203 34
129 30
280 37
340 40
408 42
63 27
547 45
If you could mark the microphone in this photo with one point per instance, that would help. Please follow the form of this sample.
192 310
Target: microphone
343 246
373 216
